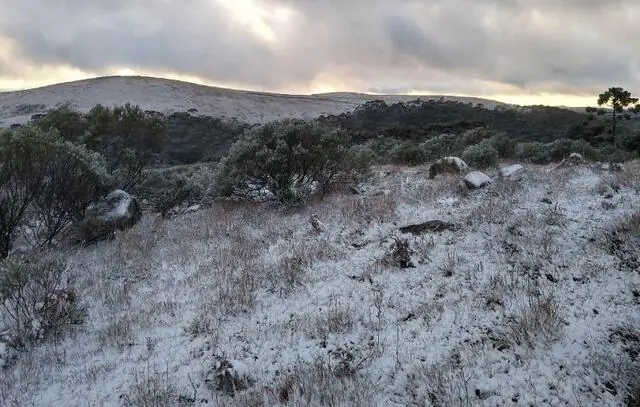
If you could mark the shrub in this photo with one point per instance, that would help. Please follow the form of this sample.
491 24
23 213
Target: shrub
481 155
409 153
504 146
127 137
45 180
286 160
33 300
535 152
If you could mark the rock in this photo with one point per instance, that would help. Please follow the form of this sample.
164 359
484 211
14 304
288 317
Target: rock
512 172
447 165
428 226
117 211
476 179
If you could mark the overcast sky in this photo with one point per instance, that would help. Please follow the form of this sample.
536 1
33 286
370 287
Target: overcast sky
549 51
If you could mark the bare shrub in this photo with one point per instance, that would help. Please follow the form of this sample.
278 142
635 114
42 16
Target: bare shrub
336 318
622 240
119 332
538 320
554 215
617 362
629 177
33 299
228 377
238 292
450 264
325 383
368 209
443 384
399 254
495 209
288 273
151 388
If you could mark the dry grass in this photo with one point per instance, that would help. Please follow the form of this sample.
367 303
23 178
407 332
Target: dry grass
447 383
367 209
538 320
622 240
337 317
151 388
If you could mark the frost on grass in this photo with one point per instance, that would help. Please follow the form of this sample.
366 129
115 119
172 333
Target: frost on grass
529 300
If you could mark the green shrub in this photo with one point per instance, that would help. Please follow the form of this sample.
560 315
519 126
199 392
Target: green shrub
409 153
127 137
534 152
286 160
481 155
45 181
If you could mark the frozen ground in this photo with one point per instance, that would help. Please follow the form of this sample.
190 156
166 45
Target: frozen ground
169 96
514 307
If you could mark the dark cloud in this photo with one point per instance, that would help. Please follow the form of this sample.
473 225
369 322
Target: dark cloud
453 46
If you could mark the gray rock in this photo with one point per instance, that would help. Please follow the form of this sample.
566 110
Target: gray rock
512 172
117 211
476 179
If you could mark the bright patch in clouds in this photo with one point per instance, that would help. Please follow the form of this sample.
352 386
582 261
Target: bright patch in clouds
518 51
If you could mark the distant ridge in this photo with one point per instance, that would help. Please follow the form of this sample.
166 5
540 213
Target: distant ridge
169 96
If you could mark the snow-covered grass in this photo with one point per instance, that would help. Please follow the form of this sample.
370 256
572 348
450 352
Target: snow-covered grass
523 303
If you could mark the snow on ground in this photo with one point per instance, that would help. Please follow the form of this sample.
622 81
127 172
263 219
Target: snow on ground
169 96
511 308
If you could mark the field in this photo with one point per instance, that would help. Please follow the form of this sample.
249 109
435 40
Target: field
531 298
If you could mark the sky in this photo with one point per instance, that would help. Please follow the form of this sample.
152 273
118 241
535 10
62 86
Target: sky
556 52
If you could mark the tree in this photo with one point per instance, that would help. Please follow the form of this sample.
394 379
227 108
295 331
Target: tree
618 99
286 159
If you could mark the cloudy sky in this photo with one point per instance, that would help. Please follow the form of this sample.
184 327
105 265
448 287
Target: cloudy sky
521 51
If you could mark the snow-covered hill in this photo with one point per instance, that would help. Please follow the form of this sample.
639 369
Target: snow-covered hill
169 96
522 303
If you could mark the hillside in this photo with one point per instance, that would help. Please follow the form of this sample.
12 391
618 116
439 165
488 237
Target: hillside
169 96
524 303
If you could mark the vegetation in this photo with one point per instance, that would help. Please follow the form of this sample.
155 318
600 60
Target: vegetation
34 300
44 182
618 99
286 160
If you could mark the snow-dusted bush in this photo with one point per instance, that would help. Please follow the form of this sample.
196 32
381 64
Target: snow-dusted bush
45 183
481 155
287 160
33 300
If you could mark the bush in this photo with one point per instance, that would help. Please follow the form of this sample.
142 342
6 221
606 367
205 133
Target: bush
534 152
44 182
287 160
481 155
33 301
409 153
127 137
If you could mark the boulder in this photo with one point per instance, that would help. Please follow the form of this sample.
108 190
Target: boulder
116 211
512 172
476 179
447 165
